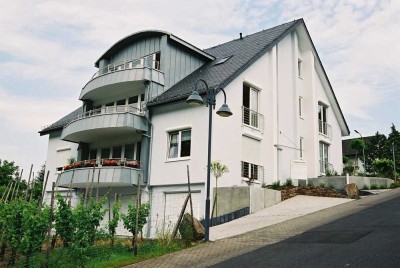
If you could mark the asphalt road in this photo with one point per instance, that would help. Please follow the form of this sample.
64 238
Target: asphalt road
368 238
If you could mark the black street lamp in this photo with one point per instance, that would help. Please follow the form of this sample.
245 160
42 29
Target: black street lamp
195 100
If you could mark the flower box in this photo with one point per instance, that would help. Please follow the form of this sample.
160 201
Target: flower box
110 163
134 164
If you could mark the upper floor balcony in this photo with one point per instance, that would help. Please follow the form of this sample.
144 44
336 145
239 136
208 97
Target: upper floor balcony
120 77
252 119
325 129
105 123
101 173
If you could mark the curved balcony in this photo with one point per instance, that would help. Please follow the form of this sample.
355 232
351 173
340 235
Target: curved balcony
107 173
120 77
105 123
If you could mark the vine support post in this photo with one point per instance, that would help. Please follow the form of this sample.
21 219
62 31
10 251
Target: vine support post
138 200
49 226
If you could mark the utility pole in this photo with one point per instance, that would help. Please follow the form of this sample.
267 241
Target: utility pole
394 162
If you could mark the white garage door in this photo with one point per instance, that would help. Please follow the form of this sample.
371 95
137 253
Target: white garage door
174 203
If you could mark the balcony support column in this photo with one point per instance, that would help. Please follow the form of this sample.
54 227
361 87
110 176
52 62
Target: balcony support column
102 65
145 157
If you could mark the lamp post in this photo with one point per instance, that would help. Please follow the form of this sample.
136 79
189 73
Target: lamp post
365 160
195 100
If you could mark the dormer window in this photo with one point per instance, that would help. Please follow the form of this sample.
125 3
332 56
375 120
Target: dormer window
221 60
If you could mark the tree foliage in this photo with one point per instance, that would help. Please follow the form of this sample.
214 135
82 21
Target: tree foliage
129 219
381 147
113 223
383 167
218 169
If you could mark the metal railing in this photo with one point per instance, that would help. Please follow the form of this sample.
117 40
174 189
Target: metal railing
252 172
252 118
325 167
105 162
108 110
325 129
129 64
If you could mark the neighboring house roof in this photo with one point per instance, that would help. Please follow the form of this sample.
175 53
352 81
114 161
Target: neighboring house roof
242 52
135 36
346 148
61 123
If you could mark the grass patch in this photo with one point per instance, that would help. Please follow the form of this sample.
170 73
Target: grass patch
103 256
374 187
147 250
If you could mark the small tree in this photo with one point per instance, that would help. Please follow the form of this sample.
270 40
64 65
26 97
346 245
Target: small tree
218 169
64 221
129 219
113 223
384 167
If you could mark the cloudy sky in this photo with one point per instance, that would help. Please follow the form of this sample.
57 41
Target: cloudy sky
48 50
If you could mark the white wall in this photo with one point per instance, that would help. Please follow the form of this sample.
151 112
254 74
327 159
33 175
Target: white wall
56 144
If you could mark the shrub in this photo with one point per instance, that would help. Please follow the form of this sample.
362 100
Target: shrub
310 184
383 186
394 185
288 183
374 187
186 231
276 185
322 185
365 187
384 167
330 186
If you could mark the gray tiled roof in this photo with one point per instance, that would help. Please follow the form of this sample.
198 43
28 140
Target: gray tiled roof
62 122
243 52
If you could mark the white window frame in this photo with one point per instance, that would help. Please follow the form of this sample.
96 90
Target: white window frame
300 68
301 147
251 166
179 141
300 106
323 154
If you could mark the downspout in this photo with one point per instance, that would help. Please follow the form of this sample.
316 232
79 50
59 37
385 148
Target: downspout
277 117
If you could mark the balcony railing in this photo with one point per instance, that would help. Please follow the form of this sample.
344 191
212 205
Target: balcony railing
252 118
325 167
325 129
108 110
107 162
147 61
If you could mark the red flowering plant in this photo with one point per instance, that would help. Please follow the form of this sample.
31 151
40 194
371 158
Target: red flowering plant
74 165
90 163
110 162
134 164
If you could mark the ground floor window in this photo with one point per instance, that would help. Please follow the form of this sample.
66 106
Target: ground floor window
324 157
252 171
179 143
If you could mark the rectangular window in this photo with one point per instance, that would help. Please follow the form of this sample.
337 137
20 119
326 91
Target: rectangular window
252 171
250 106
93 154
105 153
129 151
324 157
116 151
301 106
179 143
301 147
322 119
299 68
132 100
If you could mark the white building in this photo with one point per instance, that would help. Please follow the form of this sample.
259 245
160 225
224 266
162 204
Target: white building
286 120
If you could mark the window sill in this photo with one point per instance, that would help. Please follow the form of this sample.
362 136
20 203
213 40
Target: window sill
177 159
254 181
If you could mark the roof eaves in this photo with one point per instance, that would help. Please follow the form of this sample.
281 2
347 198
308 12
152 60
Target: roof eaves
327 79
260 54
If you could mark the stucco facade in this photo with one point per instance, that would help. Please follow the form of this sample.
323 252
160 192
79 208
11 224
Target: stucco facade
286 121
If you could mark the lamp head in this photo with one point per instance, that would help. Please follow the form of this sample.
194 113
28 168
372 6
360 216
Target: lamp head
224 111
194 99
